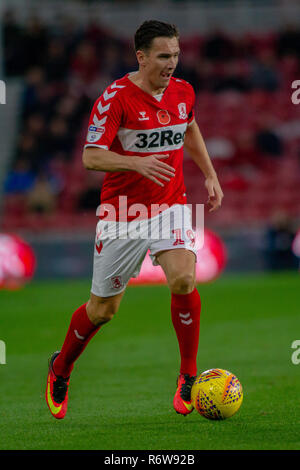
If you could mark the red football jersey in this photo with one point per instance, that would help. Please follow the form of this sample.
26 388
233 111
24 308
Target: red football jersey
129 121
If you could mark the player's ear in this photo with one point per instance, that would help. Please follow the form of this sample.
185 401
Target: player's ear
141 57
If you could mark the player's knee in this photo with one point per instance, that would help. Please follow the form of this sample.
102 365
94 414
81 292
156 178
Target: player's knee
105 316
101 316
182 283
101 312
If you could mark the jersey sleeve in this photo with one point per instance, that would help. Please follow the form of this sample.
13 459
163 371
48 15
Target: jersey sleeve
105 120
191 114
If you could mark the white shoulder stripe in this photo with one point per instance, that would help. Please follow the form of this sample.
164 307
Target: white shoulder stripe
107 95
99 122
114 85
103 109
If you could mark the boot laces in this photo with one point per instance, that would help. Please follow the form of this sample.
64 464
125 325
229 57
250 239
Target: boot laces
186 387
60 387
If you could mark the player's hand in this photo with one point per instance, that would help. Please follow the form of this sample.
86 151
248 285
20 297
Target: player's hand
215 193
152 167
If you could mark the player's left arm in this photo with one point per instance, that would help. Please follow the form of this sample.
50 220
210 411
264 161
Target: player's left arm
194 144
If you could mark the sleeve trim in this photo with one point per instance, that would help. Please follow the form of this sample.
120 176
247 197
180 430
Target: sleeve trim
104 147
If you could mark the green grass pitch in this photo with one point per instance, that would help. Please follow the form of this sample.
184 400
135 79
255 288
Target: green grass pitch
122 387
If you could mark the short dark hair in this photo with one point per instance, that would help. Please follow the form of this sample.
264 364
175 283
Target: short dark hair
152 29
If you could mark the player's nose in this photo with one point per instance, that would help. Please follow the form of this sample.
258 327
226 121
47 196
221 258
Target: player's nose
172 64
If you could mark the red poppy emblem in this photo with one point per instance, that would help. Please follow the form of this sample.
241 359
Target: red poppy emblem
163 117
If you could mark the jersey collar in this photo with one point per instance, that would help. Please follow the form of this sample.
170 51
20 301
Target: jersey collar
145 93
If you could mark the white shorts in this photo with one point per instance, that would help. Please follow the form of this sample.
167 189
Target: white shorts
120 247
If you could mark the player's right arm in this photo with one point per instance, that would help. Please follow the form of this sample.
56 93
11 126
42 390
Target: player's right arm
105 120
151 166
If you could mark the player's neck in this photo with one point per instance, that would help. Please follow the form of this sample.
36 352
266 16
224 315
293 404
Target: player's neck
142 82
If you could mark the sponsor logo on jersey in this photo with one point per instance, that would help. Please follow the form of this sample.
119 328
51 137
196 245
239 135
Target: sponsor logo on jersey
96 129
143 116
159 139
182 111
95 133
163 117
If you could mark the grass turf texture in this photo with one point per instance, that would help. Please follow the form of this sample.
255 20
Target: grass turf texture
122 387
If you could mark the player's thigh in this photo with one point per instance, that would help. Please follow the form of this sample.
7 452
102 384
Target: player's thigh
175 248
179 267
116 260
102 309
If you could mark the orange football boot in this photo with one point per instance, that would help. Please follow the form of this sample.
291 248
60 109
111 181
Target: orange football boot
182 400
56 391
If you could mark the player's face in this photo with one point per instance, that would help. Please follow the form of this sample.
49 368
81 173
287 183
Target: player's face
161 60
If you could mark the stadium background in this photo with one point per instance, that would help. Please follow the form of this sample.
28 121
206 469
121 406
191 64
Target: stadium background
242 58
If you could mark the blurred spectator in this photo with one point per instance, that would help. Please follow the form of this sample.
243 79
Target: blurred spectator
128 62
68 32
219 47
57 170
33 79
12 40
89 199
264 73
187 69
288 41
71 109
28 150
35 125
278 243
41 98
59 138
41 198
289 67
56 66
99 36
246 153
85 64
230 76
111 63
268 142
204 79
20 179
34 43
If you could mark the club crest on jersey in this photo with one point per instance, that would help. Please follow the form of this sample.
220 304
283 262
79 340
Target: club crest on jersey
94 133
116 282
182 111
163 117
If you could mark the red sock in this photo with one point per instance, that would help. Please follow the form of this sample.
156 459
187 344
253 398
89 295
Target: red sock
80 332
186 320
